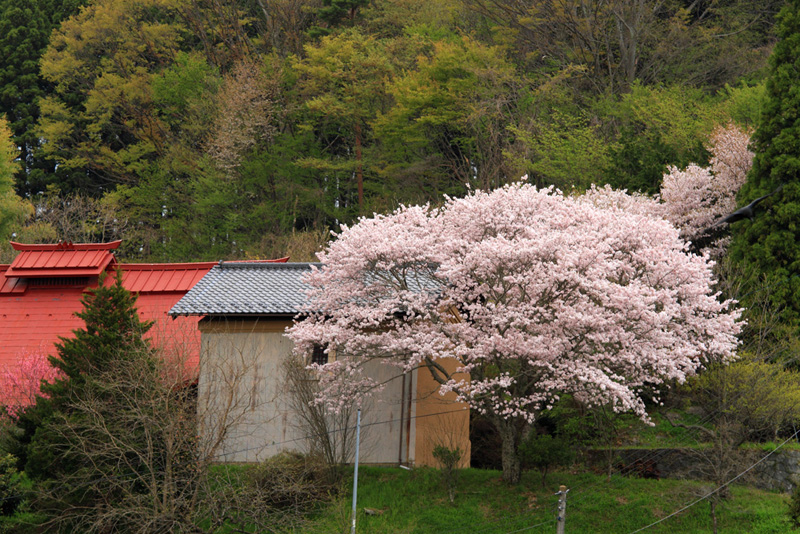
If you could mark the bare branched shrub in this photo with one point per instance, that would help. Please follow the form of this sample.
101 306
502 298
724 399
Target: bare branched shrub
248 112
148 449
235 396
277 495
75 217
291 481
140 467
331 435
299 246
80 218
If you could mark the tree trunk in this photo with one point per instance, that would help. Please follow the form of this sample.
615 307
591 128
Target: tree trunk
713 503
511 465
359 169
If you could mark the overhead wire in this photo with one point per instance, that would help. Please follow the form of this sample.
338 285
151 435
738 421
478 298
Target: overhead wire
579 492
719 488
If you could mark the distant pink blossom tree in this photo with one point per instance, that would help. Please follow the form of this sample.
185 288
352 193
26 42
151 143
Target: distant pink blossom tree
535 295
21 383
694 198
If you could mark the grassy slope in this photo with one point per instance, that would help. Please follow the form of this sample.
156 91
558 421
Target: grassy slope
416 502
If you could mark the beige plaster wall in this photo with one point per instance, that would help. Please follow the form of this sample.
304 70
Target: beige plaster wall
242 399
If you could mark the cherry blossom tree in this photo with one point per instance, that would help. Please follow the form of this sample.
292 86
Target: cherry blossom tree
534 293
21 383
694 198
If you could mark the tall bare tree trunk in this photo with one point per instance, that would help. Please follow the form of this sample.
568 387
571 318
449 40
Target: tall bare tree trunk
359 169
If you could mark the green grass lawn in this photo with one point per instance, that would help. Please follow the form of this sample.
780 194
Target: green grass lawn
416 502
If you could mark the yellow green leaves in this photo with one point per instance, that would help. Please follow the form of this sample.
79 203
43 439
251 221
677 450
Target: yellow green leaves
344 77
102 62
562 150
13 210
449 117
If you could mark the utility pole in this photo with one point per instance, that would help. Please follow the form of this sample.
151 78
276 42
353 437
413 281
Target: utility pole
562 508
355 475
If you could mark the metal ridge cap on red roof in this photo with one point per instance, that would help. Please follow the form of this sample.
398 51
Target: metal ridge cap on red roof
198 266
65 245
285 259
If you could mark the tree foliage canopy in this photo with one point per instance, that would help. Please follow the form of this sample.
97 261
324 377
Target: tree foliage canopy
534 294
229 130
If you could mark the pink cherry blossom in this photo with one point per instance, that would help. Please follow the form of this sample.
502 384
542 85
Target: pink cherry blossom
534 293
695 197
21 383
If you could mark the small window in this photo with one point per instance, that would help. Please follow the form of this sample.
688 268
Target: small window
319 356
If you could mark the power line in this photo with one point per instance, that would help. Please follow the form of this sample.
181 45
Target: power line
647 457
720 488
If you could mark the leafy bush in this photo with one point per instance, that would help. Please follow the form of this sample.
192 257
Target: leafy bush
794 506
543 451
448 459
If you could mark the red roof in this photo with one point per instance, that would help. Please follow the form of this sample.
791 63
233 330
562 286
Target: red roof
163 277
41 291
62 259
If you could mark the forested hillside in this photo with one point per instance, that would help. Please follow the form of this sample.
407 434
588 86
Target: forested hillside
221 129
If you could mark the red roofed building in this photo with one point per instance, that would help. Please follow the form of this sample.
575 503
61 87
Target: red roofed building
42 288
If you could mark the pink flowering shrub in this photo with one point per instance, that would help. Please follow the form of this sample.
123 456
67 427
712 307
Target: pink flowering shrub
21 384
535 295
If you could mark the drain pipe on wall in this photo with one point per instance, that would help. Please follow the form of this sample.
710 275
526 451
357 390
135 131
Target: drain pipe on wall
355 475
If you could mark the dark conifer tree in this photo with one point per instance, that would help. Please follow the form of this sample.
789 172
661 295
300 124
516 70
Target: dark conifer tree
334 13
25 28
58 427
769 245
112 331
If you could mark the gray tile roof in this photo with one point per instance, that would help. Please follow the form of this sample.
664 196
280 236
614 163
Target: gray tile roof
247 288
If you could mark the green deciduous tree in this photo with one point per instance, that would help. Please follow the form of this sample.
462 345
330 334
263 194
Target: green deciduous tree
13 210
100 120
747 400
563 150
343 81
654 127
448 124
